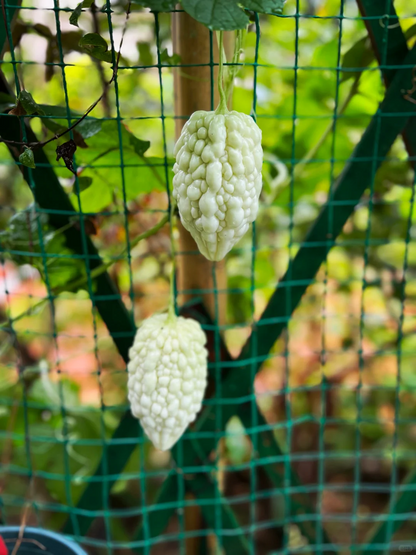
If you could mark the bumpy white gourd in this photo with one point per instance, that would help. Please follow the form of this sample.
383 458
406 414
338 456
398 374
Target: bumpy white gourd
217 180
167 376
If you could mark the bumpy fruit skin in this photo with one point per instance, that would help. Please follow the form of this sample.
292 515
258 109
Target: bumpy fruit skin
217 180
167 376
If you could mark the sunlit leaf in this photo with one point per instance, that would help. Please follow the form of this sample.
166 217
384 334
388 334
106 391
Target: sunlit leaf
145 54
229 14
166 59
117 174
357 58
27 158
96 46
73 20
26 105
157 5
89 127
75 15
83 183
138 145
217 14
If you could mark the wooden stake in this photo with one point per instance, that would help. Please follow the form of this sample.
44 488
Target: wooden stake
192 86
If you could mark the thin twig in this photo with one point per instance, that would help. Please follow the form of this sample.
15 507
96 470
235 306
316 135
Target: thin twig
22 525
98 63
8 444
26 540
408 95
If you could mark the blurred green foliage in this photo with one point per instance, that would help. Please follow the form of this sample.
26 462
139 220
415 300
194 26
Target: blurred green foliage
354 332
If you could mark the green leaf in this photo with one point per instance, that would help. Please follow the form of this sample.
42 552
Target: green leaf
6 102
138 145
53 126
89 127
84 182
410 32
217 14
73 20
141 175
359 56
157 5
28 103
94 41
27 158
145 54
7 98
168 60
96 46
102 162
58 112
70 41
228 14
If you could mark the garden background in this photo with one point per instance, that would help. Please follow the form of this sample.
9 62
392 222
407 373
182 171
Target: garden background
337 390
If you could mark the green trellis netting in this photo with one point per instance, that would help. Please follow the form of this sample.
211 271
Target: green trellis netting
306 440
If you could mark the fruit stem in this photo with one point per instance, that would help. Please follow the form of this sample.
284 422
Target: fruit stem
234 68
171 311
222 106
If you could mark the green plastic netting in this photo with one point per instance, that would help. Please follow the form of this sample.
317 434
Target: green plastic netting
306 441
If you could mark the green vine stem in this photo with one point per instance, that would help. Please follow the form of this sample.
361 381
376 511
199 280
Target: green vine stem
226 75
234 68
171 310
222 106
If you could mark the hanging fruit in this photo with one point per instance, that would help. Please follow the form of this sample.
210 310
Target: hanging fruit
167 376
218 177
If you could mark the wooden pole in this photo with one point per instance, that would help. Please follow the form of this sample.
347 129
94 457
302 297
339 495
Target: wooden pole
192 86
192 89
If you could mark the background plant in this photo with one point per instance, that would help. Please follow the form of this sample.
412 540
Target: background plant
339 339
